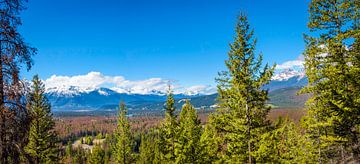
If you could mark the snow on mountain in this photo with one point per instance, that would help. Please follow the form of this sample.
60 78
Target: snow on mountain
96 91
93 81
286 74
290 69
68 90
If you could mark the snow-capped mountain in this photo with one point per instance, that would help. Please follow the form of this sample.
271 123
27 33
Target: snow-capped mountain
97 91
290 69
75 98
75 85
286 74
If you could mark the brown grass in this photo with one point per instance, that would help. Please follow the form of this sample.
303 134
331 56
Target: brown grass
66 126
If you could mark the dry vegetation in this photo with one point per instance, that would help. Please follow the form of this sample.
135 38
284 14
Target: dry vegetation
89 125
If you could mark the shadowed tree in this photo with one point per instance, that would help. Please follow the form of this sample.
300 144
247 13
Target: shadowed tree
14 53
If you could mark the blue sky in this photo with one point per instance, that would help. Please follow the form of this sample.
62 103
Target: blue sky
184 40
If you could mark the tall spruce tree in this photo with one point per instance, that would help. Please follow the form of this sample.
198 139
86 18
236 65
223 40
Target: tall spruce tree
159 146
147 147
333 109
123 147
97 155
42 146
210 144
241 119
169 129
284 144
14 53
187 148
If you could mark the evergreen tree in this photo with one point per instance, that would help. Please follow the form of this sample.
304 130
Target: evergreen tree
14 53
209 144
168 129
80 156
241 119
159 147
284 144
187 148
97 155
123 138
42 145
330 64
147 147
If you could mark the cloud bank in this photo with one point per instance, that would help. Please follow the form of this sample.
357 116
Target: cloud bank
94 80
298 63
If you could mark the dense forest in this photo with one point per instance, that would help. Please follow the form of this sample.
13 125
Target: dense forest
239 131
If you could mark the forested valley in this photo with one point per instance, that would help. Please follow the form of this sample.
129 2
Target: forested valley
238 131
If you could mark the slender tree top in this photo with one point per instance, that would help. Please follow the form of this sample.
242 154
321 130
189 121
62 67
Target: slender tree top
244 67
170 101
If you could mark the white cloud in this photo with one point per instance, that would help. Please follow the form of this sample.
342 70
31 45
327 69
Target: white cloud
200 89
291 64
94 80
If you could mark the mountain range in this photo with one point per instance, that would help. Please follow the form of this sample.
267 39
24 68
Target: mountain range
282 91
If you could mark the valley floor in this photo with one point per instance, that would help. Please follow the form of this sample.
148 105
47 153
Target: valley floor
80 125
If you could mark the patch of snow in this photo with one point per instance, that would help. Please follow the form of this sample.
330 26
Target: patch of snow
102 92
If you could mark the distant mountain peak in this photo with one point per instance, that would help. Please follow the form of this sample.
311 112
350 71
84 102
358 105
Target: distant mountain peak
290 69
286 74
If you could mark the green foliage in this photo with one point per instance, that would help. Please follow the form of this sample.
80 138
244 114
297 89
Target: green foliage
168 130
97 155
147 147
68 149
80 156
187 147
42 146
331 64
99 136
284 144
241 119
209 145
123 147
87 140
159 147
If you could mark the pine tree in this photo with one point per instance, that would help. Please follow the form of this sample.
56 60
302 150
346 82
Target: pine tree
187 148
80 156
97 155
333 109
209 144
159 147
42 146
14 53
147 147
168 129
241 119
284 144
123 138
